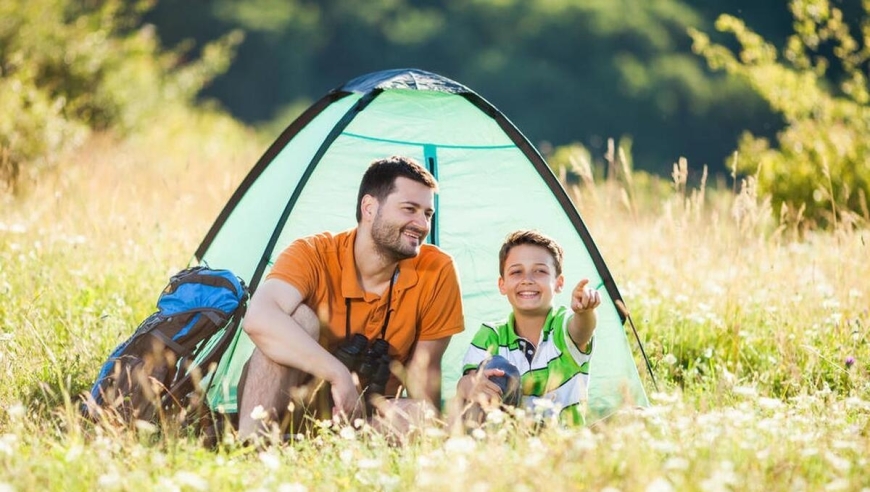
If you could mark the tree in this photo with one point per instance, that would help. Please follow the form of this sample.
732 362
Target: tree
68 68
821 160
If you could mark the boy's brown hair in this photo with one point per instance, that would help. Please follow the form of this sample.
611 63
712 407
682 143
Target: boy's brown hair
533 238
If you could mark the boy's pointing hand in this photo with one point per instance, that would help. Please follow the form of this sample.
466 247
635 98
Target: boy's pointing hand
584 298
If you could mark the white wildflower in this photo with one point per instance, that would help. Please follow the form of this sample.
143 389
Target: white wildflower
669 359
769 403
478 434
659 485
73 453
259 413
496 416
347 433
677 463
460 445
16 411
369 464
346 456
838 463
747 391
109 481
191 480
270 460
8 444
292 487
838 484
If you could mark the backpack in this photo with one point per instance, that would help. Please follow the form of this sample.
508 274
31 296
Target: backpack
158 370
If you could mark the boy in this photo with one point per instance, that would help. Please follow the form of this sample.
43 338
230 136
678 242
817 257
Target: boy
550 346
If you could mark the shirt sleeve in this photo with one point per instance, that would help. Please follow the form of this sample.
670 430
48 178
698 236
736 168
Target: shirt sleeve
483 345
299 266
442 316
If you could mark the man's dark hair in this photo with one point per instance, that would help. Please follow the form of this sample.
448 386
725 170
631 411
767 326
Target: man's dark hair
533 238
380 178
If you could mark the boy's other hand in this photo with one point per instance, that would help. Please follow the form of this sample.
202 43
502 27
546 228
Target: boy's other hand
477 387
584 298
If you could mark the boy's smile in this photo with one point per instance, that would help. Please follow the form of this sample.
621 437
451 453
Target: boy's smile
529 280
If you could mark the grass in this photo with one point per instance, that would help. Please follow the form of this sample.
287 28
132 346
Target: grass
756 332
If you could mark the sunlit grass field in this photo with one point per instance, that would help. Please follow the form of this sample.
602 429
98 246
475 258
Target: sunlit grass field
756 332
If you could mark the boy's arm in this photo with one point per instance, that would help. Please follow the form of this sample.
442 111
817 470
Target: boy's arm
584 300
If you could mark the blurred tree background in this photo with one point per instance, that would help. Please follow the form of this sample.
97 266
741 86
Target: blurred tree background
782 82
563 71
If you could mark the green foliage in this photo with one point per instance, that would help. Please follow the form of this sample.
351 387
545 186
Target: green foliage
563 71
822 153
68 68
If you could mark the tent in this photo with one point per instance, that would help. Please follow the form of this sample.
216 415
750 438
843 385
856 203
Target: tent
492 181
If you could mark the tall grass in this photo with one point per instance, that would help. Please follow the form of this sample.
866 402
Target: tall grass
756 332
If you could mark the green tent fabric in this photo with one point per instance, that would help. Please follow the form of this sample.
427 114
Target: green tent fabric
492 181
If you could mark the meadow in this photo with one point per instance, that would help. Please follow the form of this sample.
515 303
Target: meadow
756 330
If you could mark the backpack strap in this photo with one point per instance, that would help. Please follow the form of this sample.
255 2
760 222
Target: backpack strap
170 343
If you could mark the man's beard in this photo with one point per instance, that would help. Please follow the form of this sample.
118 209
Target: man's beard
388 240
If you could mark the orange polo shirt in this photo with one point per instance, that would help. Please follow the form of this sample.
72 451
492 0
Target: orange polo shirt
426 300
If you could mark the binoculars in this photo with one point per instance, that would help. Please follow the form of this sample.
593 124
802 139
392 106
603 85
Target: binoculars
371 363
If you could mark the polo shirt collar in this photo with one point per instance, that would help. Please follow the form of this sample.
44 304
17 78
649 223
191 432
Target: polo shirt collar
547 329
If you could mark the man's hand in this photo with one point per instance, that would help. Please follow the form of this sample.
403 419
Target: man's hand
345 394
584 298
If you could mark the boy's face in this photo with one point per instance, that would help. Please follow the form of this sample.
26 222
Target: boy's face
529 280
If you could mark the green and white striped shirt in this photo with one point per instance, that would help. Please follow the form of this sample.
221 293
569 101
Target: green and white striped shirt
558 372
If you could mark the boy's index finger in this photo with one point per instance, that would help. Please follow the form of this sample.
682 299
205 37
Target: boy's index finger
582 284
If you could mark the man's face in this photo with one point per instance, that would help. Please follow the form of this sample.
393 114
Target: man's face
403 219
530 279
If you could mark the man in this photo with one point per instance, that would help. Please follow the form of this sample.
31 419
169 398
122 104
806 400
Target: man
377 279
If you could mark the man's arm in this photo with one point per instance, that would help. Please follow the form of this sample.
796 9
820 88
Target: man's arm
424 370
272 328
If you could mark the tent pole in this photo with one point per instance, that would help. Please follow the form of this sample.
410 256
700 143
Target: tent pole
621 306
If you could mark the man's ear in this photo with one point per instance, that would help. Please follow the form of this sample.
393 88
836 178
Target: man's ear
368 206
560 282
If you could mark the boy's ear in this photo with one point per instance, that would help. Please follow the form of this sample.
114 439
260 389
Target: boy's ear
560 282
501 288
